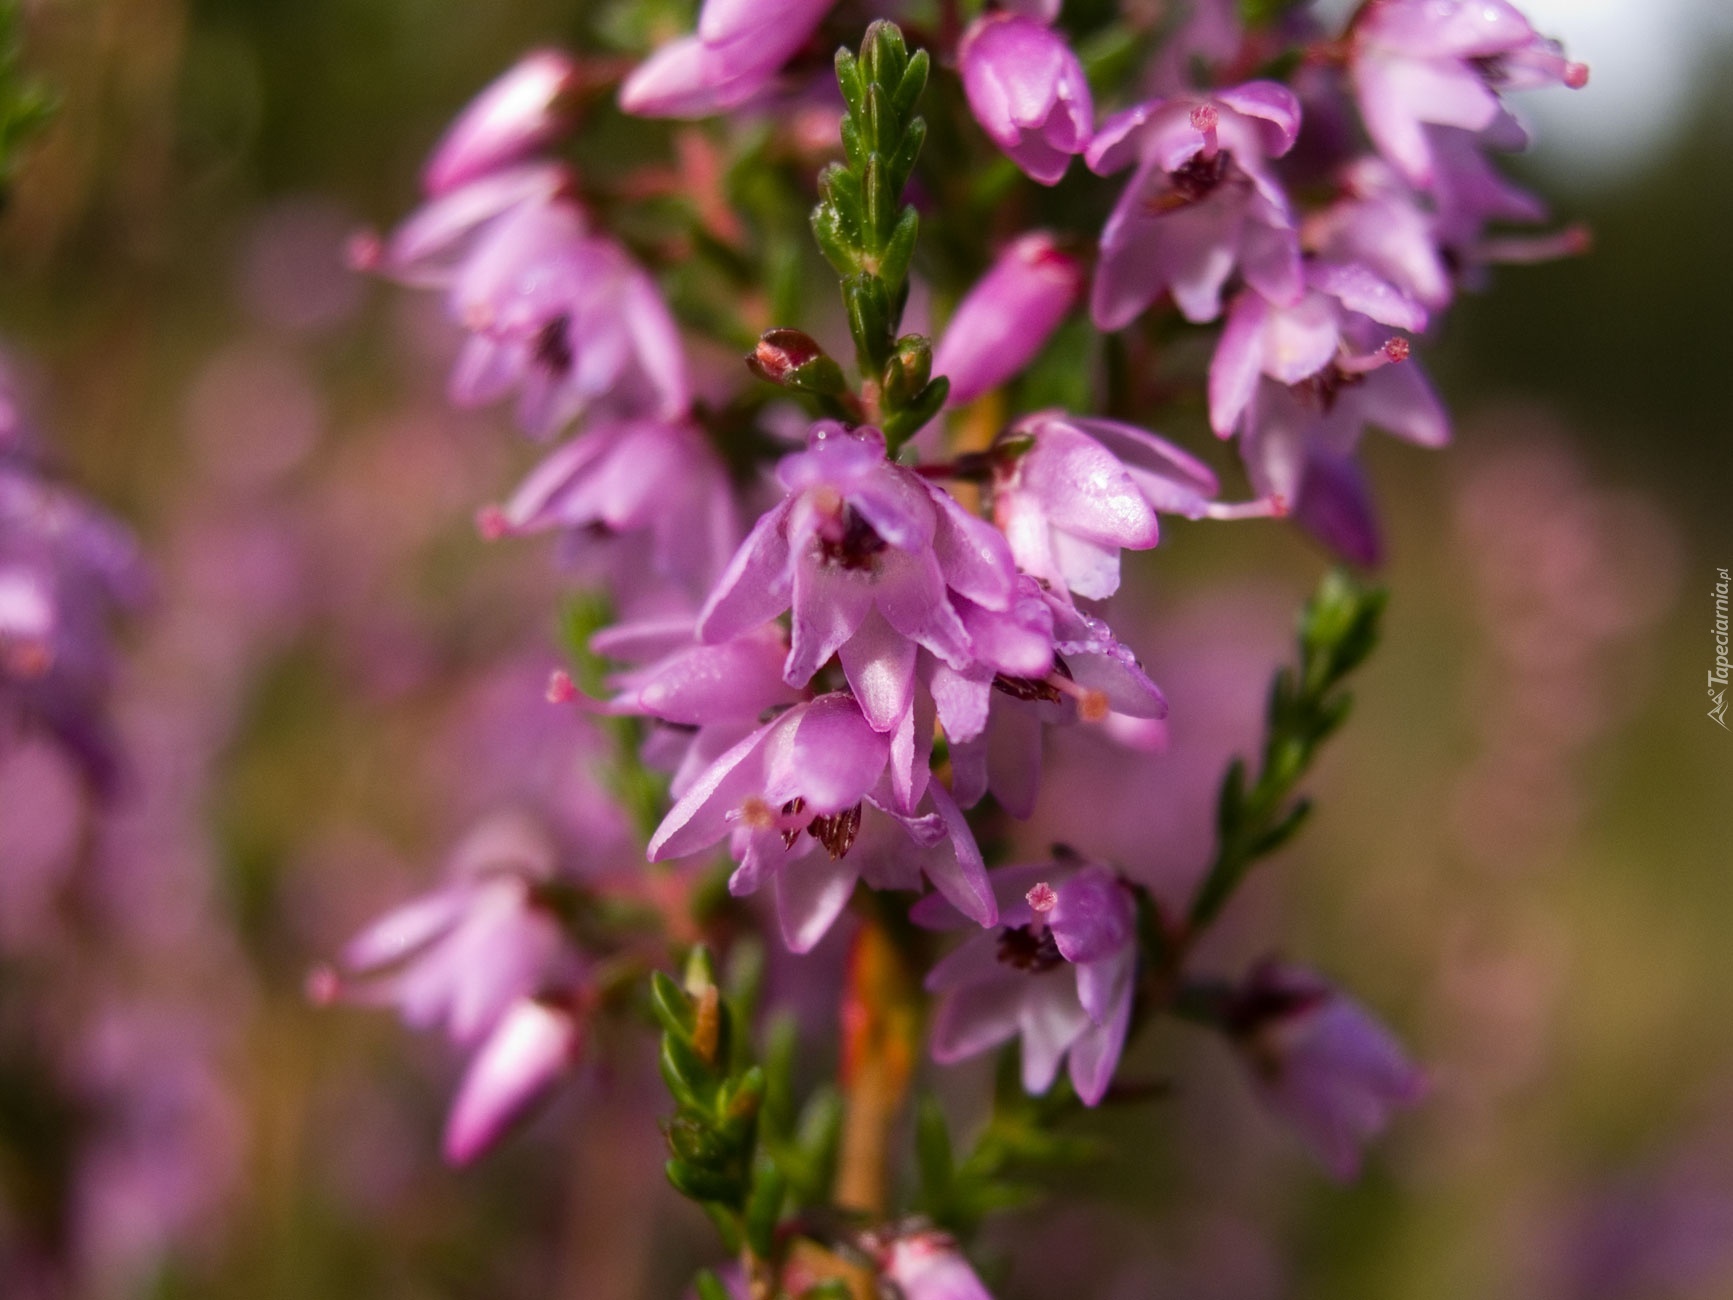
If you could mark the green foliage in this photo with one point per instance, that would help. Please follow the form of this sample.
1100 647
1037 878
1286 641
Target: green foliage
641 792
1337 631
25 107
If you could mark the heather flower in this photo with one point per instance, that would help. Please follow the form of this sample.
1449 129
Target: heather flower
1380 224
995 720
1059 970
1069 492
930 1266
1321 1062
1306 341
566 319
873 560
653 477
66 569
736 53
1202 201
533 1045
458 957
816 778
1416 63
1027 90
1008 316
520 113
710 697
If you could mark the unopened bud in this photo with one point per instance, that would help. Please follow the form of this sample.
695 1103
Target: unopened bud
794 359
907 372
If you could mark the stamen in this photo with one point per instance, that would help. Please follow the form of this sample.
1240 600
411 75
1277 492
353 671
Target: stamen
1274 506
1524 250
323 985
1042 899
1091 704
491 523
364 250
1204 120
561 688
1395 350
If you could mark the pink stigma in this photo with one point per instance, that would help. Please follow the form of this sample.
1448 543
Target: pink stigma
1042 899
1204 118
323 986
561 689
1576 75
364 250
1397 349
491 523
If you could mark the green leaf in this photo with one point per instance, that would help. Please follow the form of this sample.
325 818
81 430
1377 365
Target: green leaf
709 1287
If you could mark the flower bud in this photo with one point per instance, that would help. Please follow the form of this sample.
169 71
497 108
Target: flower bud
928 1266
1027 90
520 112
1006 319
907 372
794 359
534 1044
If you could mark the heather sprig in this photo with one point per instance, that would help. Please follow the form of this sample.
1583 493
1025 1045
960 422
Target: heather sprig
1338 629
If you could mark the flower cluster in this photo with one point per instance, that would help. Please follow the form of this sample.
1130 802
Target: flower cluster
841 635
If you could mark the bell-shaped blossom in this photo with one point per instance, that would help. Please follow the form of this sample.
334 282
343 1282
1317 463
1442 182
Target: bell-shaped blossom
1202 201
930 1266
1070 492
1059 970
736 53
808 806
651 476
66 570
1303 341
521 112
1006 319
874 561
535 1042
456 958
995 720
1028 92
567 320
710 697
1416 63
1379 223
1321 1062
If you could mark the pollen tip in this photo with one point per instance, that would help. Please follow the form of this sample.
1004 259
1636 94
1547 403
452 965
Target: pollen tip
1397 348
1578 239
491 523
561 688
1042 899
364 250
1205 118
1279 506
1092 706
1576 75
323 985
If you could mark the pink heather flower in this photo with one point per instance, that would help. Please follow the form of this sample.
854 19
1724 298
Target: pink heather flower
1006 319
738 50
520 113
1069 492
1060 970
653 477
710 697
816 778
533 1045
66 571
1442 62
1202 201
930 1266
874 562
1299 342
1027 90
994 721
1380 224
1321 1062
1335 506
566 319
458 957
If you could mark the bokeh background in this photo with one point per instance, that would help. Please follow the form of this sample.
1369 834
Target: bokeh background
1521 855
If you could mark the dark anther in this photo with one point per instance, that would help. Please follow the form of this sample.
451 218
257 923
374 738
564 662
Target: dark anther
836 832
857 546
553 347
1021 947
792 809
